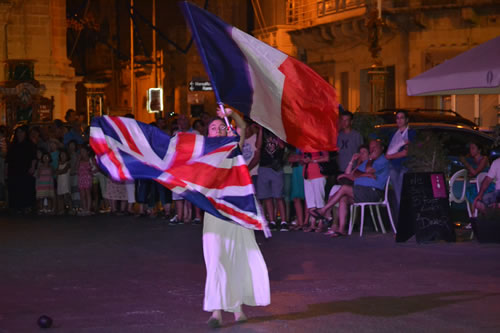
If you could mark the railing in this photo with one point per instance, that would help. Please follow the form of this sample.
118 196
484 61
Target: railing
305 12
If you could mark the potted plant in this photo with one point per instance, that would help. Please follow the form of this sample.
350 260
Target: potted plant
424 208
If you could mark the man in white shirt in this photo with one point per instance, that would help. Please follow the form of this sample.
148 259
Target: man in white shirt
397 153
484 200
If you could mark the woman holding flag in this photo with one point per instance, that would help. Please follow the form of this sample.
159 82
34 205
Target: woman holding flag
236 270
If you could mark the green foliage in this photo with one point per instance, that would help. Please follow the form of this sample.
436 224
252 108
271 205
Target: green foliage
365 123
427 153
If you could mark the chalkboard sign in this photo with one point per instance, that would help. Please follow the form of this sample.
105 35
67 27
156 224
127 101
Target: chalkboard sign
425 209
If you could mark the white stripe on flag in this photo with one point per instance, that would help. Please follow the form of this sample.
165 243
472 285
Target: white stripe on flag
267 80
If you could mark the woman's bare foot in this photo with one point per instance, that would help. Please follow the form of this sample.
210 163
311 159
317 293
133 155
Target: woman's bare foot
240 317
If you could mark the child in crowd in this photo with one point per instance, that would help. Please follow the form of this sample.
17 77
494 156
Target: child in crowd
73 174
63 183
99 182
54 153
45 184
85 181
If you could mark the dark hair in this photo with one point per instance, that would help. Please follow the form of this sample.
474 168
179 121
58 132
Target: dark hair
58 123
478 145
86 147
214 119
129 115
197 121
363 147
403 112
34 129
68 112
346 113
73 141
44 153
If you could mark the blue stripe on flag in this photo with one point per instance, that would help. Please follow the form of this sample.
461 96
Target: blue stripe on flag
106 128
138 169
214 143
228 67
202 202
158 140
244 202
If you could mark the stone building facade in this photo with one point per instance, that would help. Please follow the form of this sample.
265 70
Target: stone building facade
333 38
36 30
103 52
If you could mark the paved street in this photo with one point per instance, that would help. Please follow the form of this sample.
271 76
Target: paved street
123 274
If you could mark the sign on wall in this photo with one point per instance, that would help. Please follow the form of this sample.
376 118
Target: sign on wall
200 86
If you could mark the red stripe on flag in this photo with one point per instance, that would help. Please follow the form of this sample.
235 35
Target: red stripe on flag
126 134
184 148
309 108
237 214
118 165
212 177
99 146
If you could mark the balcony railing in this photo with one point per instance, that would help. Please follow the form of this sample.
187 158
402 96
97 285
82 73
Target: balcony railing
308 12
305 12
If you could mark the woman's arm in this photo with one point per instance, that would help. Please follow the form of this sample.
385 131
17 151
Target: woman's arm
256 156
237 118
399 154
350 167
323 157
470 169
480 168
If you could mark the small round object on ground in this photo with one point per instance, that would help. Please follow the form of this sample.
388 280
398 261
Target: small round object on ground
44 321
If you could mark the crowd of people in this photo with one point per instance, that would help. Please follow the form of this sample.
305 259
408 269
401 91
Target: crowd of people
52 170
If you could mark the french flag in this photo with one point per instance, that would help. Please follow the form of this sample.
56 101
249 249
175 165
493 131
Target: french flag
272 88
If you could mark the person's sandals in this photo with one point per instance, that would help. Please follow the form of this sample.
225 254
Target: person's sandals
337 234
329 232
311 228
214 323
314 213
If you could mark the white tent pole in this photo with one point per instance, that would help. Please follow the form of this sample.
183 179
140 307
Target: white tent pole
477 119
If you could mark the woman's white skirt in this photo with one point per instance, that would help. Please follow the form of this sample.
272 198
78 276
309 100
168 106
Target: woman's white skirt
236 271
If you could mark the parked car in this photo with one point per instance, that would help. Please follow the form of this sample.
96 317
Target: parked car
427 116
454 130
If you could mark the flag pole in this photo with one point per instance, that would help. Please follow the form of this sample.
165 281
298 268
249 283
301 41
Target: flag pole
221 107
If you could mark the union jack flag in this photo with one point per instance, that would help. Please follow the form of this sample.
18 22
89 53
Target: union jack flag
209 172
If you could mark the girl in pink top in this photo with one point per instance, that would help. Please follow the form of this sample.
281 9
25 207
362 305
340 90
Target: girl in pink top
85 180
314 186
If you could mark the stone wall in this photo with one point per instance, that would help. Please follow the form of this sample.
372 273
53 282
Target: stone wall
36 29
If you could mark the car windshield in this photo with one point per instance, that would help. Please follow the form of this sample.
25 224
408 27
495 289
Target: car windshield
455 140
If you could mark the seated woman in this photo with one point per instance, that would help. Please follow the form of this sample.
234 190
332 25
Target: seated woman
475 163
369 182
356 160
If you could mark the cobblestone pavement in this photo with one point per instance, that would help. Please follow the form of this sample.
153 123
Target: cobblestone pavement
126 274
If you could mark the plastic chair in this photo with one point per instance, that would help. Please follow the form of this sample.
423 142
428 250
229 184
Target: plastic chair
460 176
479 180
377 205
